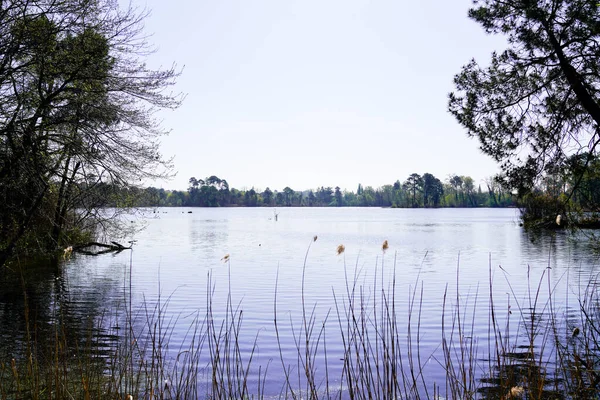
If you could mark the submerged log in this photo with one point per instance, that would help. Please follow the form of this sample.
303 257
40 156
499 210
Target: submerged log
108 248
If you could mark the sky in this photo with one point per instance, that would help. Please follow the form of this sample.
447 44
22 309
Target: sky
311 93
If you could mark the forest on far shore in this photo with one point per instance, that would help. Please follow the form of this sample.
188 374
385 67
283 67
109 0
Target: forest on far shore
416 191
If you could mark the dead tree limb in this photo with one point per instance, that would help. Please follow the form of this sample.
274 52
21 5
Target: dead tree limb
114 246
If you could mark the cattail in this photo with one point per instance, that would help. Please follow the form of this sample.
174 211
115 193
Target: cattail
340 249
315 238
385 246
516 391
68 252
575 332
225 258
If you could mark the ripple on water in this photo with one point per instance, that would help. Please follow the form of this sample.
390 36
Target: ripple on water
433 256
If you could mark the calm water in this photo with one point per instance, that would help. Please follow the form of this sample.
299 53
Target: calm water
178 251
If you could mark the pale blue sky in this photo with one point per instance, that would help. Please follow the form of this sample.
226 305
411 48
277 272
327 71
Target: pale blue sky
313 93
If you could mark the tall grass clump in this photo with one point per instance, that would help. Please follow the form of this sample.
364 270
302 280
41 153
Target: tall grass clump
368 345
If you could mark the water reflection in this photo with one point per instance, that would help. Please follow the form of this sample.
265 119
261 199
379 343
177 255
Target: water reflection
508 379
552 352
523 360
572 256
40 301
559 244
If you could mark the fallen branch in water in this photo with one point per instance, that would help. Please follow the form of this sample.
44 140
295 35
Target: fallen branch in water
114 246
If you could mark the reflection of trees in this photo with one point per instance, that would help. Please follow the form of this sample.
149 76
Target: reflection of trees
549 358
517 371
40 307
543 245
560 249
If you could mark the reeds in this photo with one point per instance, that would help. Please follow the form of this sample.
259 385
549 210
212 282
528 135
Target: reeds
534 348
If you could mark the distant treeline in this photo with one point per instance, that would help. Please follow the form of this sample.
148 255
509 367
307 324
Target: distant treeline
416 191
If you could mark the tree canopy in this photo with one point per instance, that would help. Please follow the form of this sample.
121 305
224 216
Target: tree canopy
76 115
417 191
536 103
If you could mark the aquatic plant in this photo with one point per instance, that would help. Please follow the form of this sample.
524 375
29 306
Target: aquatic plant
531 350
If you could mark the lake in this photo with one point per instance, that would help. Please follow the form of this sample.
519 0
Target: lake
261 262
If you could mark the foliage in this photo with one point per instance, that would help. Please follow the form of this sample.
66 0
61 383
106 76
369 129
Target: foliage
76 107
414 184
571 190
417 191
540 210
536 103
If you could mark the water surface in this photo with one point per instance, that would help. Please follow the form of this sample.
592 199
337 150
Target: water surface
180 255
